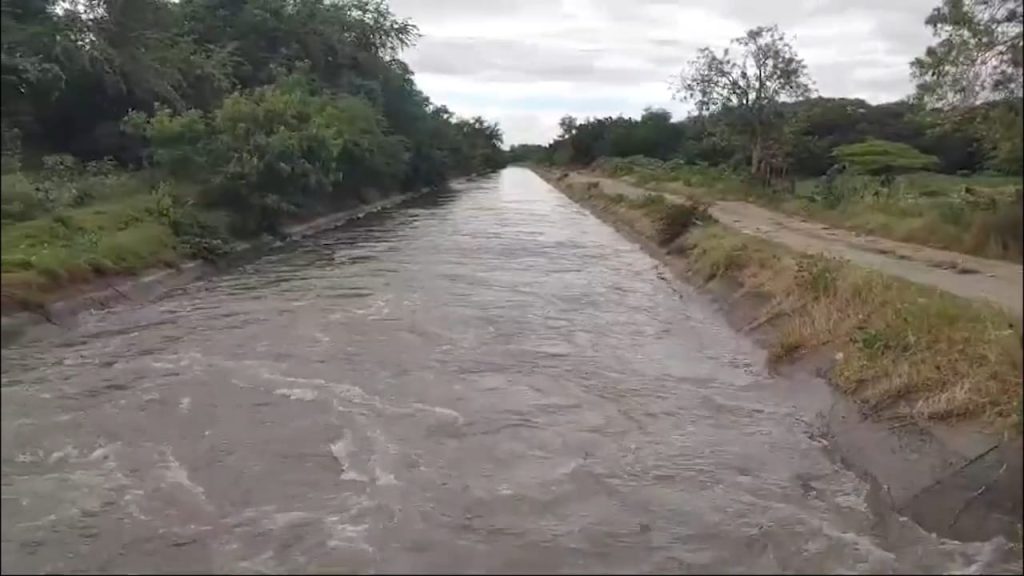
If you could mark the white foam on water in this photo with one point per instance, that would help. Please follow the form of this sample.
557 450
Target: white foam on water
439 410
383 477
282 519
354 476
262 564
281 377
131 500
342 449
103 452
344 535
296 393
174 472
68 452
29 457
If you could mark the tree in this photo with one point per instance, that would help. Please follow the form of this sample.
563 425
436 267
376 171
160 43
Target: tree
978 56
528 153
567 124
276 150
747 85
978 60
884 158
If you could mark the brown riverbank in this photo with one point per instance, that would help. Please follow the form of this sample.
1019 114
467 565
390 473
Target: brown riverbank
950 463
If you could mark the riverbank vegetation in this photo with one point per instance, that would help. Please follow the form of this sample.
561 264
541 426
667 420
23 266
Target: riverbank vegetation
137 134
901 350
942 167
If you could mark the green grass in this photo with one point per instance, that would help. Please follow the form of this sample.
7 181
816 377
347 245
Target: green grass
117 229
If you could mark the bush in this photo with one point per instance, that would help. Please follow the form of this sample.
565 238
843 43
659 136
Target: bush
1000 232
20 199
278 150
674 219
882 157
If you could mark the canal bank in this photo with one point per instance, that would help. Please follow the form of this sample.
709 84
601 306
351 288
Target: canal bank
959 480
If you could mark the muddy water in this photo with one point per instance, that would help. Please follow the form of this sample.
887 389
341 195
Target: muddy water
490 380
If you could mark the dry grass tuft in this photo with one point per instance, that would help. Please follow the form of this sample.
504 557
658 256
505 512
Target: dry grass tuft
903 347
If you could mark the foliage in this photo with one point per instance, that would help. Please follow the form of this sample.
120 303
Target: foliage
653 135
881 157
274 150
120 230
755 110
527 153
978 55
746 87
72 71
811 129
974 73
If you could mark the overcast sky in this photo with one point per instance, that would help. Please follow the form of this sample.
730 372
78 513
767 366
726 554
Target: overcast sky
525 63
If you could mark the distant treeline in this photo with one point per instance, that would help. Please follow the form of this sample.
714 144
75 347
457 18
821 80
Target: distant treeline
814 128
756 108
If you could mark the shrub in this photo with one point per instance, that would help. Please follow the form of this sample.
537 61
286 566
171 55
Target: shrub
675 219
20 199
277 150
882 157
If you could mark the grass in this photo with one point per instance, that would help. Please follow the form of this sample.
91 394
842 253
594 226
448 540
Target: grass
979 214
901 346
901 349
68 230
74 246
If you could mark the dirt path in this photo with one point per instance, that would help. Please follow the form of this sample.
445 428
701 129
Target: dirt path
960 274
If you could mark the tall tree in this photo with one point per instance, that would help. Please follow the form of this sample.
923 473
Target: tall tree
978 59
978 56
746 82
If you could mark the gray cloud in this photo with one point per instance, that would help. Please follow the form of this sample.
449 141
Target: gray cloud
511 60
526 62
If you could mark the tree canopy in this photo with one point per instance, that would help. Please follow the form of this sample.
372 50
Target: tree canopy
974 73
72 72
978 56
745 83
882 157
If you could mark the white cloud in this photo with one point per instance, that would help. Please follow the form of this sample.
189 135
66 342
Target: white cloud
525 63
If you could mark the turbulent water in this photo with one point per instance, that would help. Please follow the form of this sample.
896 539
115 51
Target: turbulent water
488 380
